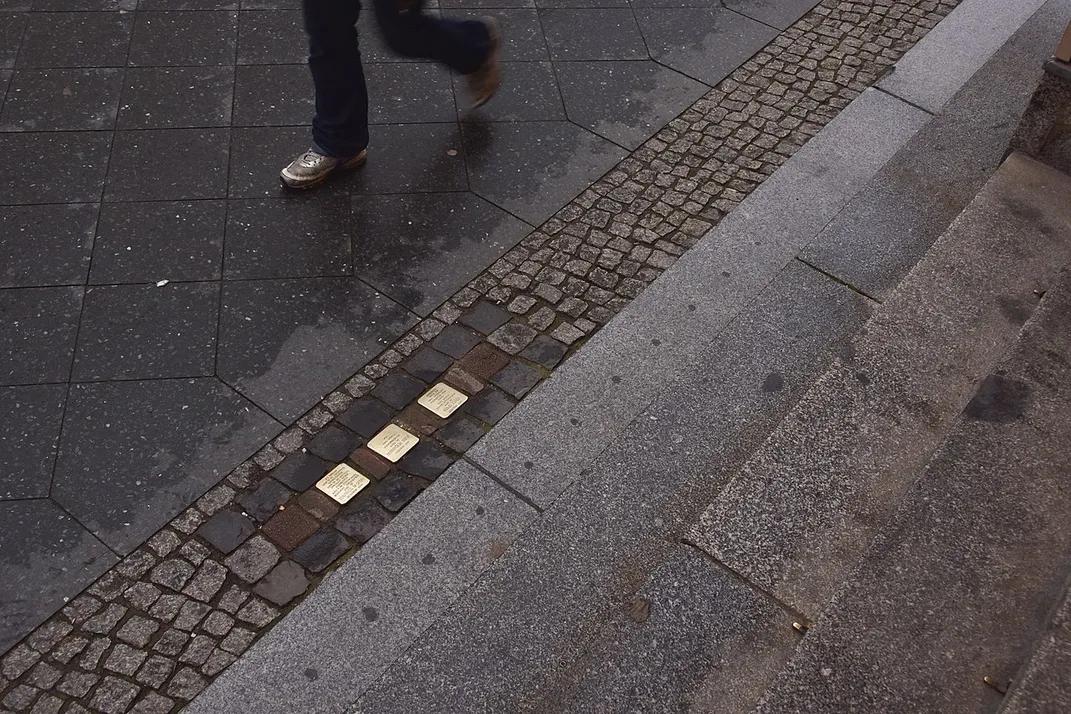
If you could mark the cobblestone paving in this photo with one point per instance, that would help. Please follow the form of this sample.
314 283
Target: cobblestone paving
156 628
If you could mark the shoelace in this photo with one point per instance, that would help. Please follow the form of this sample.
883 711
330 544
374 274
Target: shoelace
310 159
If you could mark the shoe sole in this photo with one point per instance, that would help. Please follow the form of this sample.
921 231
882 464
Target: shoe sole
356 162
492 59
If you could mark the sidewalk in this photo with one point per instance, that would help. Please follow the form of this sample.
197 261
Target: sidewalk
178 610
167 310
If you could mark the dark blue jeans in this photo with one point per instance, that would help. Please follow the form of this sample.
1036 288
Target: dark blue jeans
340 127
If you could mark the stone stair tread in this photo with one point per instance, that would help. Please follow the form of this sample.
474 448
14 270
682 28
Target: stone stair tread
961 580
801 511
510 643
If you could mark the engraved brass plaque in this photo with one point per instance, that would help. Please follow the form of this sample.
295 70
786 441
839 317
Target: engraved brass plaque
393 442
342 483
442 400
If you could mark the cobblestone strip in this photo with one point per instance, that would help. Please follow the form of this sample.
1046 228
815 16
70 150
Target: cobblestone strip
152 632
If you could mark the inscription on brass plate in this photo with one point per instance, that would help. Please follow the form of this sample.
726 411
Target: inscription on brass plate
342 483
442 400
393 442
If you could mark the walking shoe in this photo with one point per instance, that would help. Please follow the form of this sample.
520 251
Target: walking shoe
311 168
483 83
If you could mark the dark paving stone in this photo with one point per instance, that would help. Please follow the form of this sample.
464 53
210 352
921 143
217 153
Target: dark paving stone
552 4
259 153
592 34
273 95
84 5
321 550
176 97
287 343
366 416
278 5
37 333
529 92
227 530
134 454
147 332
522 32
149 242
704 44
144 5
77 39
426 460
532 169
460 435
400 94
411 158
12 28
46 557
427 364
398 390
300 470
625 102
486 4
290 528
196 165
334 443
279 238
272 37
318 505
485 317
419 420
285 582
455 341
192 39
262 502
489 406
395 491
517 379
62 100
484 361
54 167
460 379
369 464
422 248
30 419
5 79
362 519
545 351
46 245
779 13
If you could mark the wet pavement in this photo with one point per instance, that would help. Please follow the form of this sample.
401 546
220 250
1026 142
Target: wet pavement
165 309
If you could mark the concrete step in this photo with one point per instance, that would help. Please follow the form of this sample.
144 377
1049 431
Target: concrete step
516 640
802 510
964 577
1043 686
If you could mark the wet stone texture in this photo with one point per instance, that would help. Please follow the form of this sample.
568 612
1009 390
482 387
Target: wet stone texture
139 315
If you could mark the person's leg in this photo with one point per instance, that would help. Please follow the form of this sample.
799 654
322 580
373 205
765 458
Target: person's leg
464 46
340 126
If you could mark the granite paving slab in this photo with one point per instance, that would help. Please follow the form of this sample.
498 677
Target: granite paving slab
46 556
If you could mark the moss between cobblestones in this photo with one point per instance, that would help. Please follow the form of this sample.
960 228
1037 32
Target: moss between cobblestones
152 633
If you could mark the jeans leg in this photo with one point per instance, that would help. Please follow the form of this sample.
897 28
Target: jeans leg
461 45
340 126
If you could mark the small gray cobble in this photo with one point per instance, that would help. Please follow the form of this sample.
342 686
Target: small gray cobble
137 631
186 684
114 696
